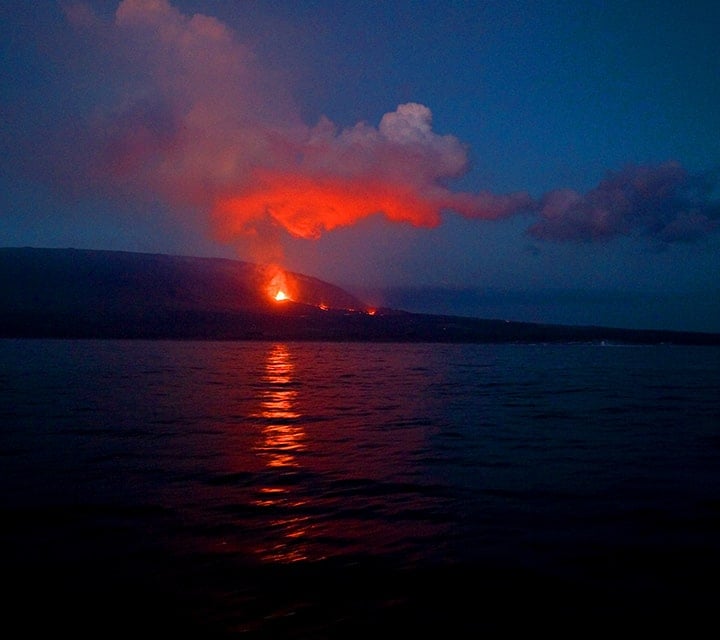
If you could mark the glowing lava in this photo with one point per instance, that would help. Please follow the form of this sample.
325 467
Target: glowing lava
278 287
281 286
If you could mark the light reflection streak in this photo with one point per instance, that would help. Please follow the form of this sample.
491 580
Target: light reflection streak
283 439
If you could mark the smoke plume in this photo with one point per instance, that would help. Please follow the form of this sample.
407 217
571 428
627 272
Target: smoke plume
663 202
187 114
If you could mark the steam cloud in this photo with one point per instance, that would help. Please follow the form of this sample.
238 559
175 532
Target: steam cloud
188 114
663 202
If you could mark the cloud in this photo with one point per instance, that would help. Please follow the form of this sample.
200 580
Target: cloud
336 178
189 115
184 112
662 202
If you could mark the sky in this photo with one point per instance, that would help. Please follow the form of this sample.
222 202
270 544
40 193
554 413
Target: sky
539 161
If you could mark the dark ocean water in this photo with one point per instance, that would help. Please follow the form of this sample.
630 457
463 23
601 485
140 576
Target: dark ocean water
319 490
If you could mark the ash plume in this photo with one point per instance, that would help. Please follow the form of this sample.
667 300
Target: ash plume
185 112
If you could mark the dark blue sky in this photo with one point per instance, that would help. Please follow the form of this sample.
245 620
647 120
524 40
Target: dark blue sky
545 161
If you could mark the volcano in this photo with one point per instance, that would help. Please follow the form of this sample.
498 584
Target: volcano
92 293
72 293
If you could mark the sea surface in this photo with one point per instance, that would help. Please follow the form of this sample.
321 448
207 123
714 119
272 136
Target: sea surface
317 490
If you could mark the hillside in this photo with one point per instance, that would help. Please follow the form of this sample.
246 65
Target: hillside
70 293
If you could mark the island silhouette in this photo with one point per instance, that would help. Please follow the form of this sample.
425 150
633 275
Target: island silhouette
79 293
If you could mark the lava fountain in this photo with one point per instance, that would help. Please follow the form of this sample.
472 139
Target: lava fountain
278 287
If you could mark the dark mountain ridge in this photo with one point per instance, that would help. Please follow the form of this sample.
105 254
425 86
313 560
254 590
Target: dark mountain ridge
71 293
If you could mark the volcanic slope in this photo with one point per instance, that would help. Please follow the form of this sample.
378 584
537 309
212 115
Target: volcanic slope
72 293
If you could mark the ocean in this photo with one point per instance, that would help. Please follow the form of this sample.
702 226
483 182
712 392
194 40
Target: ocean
318 490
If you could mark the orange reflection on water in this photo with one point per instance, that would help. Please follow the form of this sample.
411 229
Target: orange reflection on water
283 439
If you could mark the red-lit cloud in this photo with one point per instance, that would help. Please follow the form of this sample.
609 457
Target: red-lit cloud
337 178
188 114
